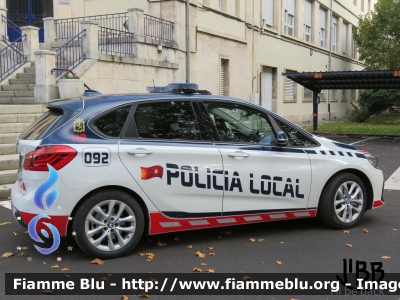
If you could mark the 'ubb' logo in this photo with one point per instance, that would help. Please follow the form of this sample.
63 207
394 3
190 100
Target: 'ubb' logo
44 203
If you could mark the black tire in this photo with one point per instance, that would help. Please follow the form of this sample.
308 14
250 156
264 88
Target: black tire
330 214
117 239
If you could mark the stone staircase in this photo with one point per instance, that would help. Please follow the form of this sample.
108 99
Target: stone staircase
17 112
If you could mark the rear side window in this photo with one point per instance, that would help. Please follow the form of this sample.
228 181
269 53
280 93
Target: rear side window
111 123
172 120
38 129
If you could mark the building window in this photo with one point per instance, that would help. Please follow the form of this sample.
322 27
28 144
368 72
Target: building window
344 95
289 17
290 88
220 4
362 5
307 21
353 95
268 12
355 2
334 95
322 25
308 94
224 83
353 47
344 38
334 34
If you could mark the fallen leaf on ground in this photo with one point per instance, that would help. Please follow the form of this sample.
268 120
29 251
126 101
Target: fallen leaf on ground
160 244
251 240
59 259
65 269
278 262
142 254
5 223
210 248
22 254
124 297
346 231
23 248
211 271
385 257
261 240
48 292
54 267
15 233
201 255
189 247
203 264
144 295
260 262
97 261
245 278
211 254
7 254
282 242
366 230
394 229
195 269
150 256
349 245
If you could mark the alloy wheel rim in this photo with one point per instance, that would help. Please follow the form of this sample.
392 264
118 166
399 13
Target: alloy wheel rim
110 225
349 201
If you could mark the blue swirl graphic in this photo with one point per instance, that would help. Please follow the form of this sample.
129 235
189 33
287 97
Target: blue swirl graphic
33 234
44 187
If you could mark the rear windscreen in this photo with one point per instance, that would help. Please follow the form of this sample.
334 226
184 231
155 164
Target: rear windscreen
38 129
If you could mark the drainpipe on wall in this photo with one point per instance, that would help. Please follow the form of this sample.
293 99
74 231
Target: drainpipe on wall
330 62
187 42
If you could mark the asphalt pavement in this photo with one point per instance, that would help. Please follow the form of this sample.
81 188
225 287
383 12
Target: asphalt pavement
303 246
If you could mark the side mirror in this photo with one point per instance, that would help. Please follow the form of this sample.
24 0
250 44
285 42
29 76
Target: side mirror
282 138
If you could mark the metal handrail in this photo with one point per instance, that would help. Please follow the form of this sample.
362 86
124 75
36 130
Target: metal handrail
10 24
68 27
158 28
12 57
71 54
115 42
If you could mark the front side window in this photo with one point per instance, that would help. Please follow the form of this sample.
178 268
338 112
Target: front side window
171 120
240 124
111 123
296 138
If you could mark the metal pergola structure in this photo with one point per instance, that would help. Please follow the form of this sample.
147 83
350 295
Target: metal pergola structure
343 80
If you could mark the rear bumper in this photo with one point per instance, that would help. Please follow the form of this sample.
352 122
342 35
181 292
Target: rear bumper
60 222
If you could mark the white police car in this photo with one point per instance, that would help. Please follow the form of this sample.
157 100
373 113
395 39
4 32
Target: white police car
109 168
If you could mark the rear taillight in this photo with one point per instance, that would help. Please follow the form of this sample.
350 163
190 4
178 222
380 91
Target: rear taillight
56 156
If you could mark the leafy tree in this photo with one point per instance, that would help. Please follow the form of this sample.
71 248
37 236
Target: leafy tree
378 36
378 42
373 102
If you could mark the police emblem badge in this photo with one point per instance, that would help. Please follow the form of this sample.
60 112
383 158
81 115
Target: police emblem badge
79 125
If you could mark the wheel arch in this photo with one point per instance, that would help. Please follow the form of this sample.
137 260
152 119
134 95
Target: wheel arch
139 199
364 178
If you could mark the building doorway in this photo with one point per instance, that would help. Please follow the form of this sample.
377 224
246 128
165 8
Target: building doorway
268 88
28 13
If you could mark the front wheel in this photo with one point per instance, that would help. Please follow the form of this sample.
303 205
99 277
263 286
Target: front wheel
108 224
343 201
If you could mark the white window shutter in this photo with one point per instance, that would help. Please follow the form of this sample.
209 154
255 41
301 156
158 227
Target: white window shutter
222 77
290 5
322 18
344 38
307 13
289 89
269 12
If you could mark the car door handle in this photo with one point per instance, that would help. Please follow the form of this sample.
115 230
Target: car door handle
139 152
239 155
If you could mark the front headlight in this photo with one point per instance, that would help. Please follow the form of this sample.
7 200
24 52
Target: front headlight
372 159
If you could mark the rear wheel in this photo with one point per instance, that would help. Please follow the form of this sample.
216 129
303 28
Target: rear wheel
343 201
108 224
